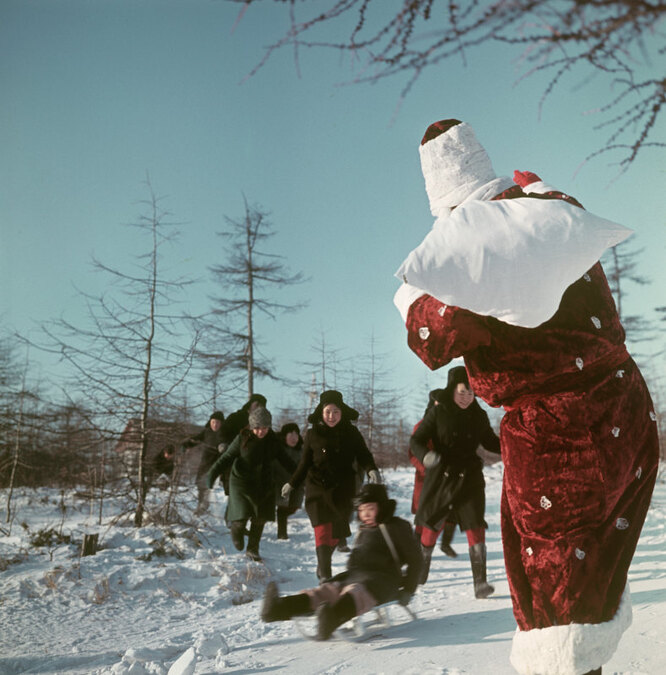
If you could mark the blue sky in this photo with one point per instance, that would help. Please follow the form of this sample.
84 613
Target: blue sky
97 94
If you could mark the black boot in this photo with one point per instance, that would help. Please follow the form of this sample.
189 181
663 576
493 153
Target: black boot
324 555
477 556
282 523
447 538
426 551
329 617
276 608
253 538
342 546
238 534
594 672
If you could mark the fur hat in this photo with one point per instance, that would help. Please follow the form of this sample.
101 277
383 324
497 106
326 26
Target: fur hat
217 415
259 418
454 164
255 397
288 428
435 396
334 397
376 493
455 376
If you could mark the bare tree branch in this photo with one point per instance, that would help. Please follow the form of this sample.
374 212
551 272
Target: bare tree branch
619 39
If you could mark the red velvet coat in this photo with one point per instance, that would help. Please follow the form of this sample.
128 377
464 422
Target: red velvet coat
579 444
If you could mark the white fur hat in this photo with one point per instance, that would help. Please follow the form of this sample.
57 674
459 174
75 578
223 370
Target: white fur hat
454 164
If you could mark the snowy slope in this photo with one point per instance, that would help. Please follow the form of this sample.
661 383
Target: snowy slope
195 609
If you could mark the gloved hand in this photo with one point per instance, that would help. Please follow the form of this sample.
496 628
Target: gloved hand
221 448
431 459
374 477
286 489
524 178
404 596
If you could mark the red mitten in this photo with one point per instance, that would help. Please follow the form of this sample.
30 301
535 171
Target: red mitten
524 178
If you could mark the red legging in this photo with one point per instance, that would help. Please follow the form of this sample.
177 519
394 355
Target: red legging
429 537
324 535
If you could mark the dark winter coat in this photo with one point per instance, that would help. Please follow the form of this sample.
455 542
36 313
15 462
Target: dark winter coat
295 499
327 467
209 441
371 562
251 481
231 427
162 464
453 489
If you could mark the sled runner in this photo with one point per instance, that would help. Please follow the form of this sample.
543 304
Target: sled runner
360 628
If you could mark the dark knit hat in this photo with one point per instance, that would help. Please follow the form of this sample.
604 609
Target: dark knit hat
259 418
217 415
334 397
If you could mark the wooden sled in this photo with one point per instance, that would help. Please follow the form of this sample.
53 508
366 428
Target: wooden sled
360 628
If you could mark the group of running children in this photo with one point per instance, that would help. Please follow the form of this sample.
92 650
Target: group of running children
264 473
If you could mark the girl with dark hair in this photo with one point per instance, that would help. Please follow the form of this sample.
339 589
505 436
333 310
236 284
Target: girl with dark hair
292 442
331 446
453 487
419 475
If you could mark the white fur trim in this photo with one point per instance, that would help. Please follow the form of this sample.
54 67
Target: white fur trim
570 650
539 187
454 164
404 297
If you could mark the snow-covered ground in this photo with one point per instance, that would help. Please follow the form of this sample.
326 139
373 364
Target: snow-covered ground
181 600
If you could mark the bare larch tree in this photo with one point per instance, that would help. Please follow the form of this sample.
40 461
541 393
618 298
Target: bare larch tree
230 338
135 350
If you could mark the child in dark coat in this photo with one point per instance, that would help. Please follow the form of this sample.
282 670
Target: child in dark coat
251 457
384 544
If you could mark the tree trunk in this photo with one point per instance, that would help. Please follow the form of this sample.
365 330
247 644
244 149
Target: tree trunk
89 546
17 444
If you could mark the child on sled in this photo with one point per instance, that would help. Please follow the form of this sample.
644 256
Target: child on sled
374 576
